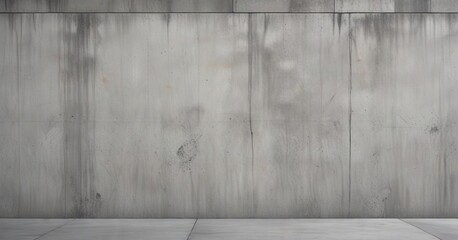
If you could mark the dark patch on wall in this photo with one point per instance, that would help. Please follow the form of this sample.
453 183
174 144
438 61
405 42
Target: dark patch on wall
311 6
412 6
433 130
187 152
55 5
337 17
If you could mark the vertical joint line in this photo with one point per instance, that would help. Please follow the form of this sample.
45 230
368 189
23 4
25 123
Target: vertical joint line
350 111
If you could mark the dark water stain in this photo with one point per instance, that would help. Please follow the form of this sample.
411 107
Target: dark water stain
55 5
433 129
337 18
77 72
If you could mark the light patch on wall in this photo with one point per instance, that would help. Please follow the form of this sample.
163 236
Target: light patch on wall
287 65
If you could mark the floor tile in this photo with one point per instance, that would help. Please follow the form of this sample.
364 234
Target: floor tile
316 229
131 229
24 229
445 229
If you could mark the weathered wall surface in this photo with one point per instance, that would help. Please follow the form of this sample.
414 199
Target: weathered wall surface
228 115
299 114
404 116
226 6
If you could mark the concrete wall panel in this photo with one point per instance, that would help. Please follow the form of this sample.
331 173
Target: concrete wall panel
284 5
9 118
412 5
32 126
365 6
300 114
228 115
175 106
116 6
401 135
444 6
9 170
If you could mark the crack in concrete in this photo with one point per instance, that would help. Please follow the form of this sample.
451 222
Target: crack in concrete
54 229
420 229
192 229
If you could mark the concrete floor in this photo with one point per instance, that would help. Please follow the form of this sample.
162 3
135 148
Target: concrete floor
182 229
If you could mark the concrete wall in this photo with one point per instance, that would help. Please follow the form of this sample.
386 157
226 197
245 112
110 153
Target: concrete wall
228 115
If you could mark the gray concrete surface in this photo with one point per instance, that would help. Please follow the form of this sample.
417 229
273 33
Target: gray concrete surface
444 229
412 5
364 6
299 114
115 129
182 119
229 115
201 229
444 6
154 229
403 135
283 5
28 229
116 6
108 128
316 229
383 5
328 6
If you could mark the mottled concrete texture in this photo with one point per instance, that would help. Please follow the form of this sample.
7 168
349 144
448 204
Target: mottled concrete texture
444 6
404 116
116 5
28 229
299 114
221 229
179 124
259 6
307 229
444 229
364 5
228 115
93 125
284 5
412 5
118 229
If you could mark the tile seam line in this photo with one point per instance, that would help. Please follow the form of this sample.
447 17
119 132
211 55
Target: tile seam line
54 229
400 219
192 229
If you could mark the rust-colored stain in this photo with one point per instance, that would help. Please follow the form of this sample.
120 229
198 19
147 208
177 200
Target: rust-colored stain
226 65
104 80
168 87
